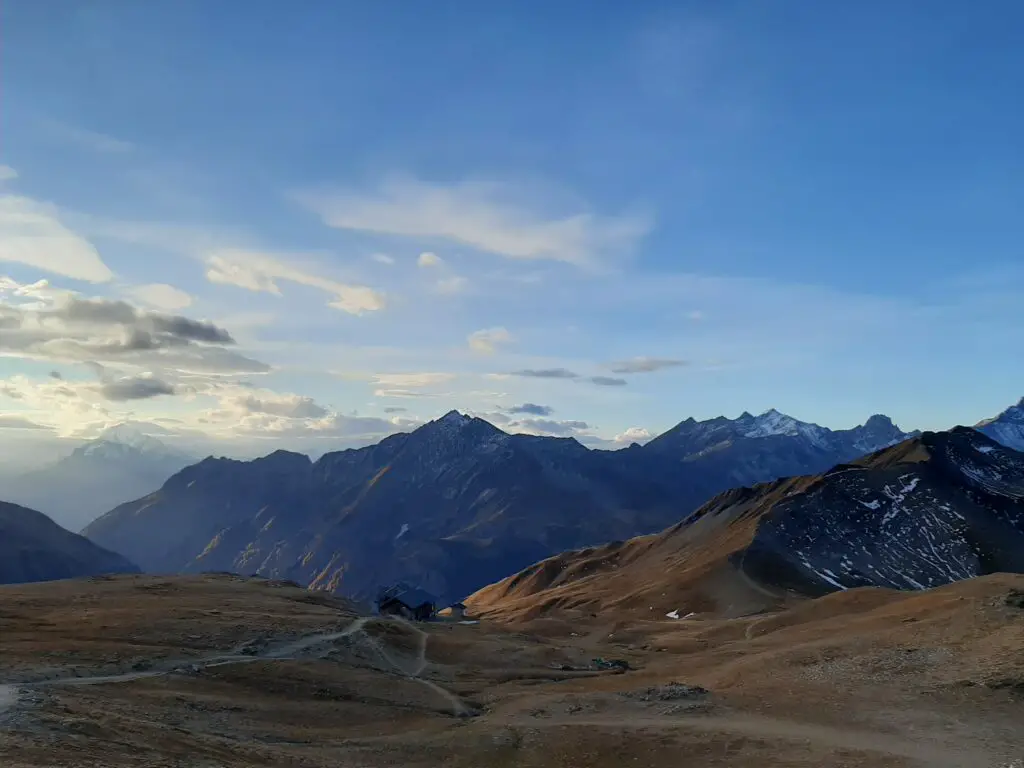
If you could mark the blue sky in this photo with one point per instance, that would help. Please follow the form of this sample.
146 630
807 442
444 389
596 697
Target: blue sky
631 214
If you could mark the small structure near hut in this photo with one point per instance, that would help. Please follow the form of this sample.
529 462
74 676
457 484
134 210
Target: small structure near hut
406 601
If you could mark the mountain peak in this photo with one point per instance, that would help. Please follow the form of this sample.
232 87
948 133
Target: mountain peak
879 420
454 418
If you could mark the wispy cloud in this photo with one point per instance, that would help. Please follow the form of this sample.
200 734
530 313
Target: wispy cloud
7 173
646 364
86 139
383 258
136 388
546 373
428 259
450 286
531 409
31 233
489 217
161 296
487 340
566 374
256 271
411 385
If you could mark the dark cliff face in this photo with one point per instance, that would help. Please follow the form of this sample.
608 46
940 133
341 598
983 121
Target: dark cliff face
34 548
937 509
450 507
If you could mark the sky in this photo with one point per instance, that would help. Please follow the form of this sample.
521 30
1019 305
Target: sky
240 227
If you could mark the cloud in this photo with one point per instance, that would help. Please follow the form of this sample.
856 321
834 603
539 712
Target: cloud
633 435
290 406
547 427
487 340
136 388
547 373
260 272
395 409
383 258
532 409
428 260
147 328
7 173
91 140
161 296
32 234
565 373
646 364
450 286
12 421
489 217
410 384
64 327
56 375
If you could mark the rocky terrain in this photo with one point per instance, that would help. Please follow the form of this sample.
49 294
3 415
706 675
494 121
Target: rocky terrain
455 504
229 672
34 548
928 511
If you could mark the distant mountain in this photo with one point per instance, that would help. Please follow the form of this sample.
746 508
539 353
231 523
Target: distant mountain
1008 427
34 548
755 449
452 505
121 464
448 507
931 510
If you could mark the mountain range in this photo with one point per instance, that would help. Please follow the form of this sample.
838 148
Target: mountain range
457 503
931 510
34 548
119 465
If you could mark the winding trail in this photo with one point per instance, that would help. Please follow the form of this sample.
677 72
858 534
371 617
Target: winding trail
10 693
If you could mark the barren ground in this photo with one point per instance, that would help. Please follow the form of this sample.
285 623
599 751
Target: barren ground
220 671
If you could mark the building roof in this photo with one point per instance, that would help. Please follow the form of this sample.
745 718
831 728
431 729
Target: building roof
411 596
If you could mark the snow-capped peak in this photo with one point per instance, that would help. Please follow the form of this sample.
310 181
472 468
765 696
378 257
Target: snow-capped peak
1006 428
115 440
772 422
454 419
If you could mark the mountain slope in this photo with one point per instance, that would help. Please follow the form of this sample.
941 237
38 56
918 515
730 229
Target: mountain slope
1007 428
34 548
118 466
449 507
929 511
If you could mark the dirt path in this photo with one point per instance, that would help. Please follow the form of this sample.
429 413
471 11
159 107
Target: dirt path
9 694
928 752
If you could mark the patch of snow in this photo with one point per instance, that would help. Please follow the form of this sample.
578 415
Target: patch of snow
873 504
403 531
772 422
672 615
985 448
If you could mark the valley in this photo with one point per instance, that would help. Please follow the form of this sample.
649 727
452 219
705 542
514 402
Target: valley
218 670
